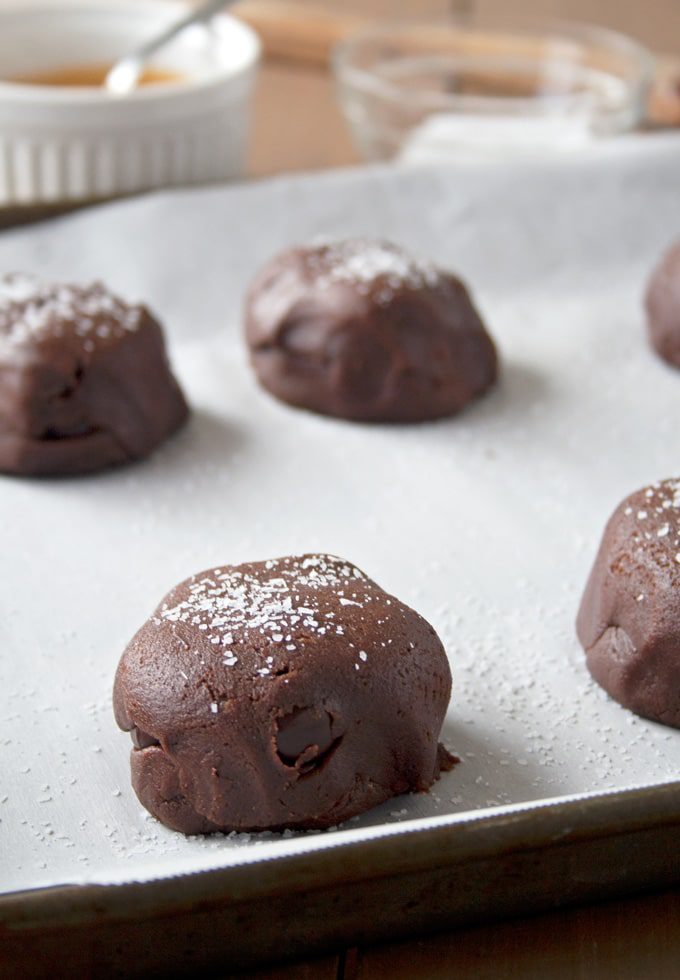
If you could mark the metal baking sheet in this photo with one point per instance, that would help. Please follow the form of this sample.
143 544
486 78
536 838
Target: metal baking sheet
487 523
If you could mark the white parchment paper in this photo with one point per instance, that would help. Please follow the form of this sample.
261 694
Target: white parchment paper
487 524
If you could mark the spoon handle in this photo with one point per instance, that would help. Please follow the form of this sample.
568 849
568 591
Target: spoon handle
202 12
124 75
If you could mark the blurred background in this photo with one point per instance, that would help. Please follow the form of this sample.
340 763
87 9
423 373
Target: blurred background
654 22
298 36
336 84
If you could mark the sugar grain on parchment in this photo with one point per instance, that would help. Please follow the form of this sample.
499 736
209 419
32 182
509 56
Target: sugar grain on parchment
231 605
31 310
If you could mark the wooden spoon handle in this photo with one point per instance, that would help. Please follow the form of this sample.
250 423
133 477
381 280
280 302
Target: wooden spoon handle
298 32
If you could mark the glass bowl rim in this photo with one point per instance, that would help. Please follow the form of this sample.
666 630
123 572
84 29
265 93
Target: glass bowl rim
551 30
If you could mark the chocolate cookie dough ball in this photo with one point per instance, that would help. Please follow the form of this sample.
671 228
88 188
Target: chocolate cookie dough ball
663 307
84 379
361 330
629 620
288 693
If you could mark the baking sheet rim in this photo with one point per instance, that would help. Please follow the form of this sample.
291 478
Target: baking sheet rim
518 827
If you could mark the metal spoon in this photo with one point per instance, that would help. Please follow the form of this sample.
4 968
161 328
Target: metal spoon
125 74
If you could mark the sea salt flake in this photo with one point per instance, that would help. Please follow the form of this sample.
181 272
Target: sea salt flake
233 603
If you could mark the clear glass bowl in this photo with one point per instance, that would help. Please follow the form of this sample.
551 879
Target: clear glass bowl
418 91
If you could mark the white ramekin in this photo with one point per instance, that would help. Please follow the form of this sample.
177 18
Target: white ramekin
70 144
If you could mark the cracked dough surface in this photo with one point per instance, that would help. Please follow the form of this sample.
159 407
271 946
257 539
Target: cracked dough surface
288 693
629 619
84 379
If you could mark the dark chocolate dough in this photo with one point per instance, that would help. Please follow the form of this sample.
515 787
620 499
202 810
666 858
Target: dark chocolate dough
663 307
288 693
629 620
84 379
361 330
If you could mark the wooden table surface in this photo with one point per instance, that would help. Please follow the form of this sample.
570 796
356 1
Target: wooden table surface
635 939
298 125
632 939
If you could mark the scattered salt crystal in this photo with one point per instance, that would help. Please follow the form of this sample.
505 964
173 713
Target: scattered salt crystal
31 309
368 264
229 600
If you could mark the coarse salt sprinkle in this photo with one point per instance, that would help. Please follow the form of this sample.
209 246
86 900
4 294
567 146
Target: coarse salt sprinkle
31 310
293 596
365 264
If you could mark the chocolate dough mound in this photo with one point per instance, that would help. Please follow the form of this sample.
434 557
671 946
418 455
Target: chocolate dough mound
629 620
291 693
663 307
361 330
84 379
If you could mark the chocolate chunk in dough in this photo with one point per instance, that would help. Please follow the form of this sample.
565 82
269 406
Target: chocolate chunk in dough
304 737
663 307
629 620
84 379
360 330
287 693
